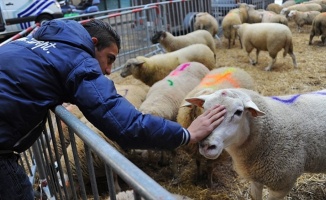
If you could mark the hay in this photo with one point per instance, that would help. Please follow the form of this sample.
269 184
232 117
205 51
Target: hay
283 79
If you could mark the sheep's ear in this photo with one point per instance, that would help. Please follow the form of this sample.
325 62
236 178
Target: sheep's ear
139 62
197 101
163 35
253 109
186 104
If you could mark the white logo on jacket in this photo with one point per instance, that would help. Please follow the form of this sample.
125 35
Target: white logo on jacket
44 45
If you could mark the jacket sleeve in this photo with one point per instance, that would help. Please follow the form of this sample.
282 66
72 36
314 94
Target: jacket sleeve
118 119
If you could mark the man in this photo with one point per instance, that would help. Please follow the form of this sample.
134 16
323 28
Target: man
66 62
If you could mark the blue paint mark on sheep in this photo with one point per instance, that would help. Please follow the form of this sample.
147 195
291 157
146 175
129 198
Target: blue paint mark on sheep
294 97
287 101
170 82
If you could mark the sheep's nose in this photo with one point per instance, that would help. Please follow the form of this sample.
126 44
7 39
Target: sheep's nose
211 147
205 145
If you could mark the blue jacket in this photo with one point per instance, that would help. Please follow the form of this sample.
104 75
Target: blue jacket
57 65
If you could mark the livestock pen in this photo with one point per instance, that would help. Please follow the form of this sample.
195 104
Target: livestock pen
136 25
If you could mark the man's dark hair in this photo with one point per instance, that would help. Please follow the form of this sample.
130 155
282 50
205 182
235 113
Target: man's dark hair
104 32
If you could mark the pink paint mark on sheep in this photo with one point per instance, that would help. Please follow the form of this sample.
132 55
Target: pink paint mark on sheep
181 68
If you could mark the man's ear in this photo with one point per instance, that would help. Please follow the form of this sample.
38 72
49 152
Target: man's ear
95 41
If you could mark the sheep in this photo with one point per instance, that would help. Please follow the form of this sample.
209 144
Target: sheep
319 28
172 43
272 140
262 36
152 69
301 7
274 7
234 16
271 17
302 18
288 3
254 16
322 3
224 77
206 21
165 96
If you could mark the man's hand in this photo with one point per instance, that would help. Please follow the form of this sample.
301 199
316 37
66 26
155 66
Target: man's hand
205 123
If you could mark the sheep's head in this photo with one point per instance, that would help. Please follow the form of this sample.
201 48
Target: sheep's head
235 127
292 13
130 66
157 36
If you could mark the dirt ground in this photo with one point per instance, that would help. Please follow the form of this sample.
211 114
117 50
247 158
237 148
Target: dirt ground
283 79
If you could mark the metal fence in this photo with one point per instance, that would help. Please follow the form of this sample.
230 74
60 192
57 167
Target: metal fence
135 25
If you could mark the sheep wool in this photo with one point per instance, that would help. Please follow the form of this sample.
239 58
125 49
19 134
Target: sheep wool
205 21
271 17
152 69
318 28
274 7
272 139
254 16
165 96
172 43
262 36
301 7
234 17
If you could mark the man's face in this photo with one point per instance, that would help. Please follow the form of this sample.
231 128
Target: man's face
106 58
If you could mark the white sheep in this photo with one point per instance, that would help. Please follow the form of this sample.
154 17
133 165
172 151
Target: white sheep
271 17
234 17
274 7
220 78
288 3
318 28
205 21
152 69
263 37
301 7
322 3
254 16
272 140
302 18
165 96
172 43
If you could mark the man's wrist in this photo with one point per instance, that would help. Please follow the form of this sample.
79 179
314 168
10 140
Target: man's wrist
186 137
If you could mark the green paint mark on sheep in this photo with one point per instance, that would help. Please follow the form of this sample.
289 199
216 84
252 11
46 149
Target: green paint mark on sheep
170 82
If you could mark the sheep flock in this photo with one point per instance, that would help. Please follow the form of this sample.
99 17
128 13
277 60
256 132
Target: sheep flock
282 79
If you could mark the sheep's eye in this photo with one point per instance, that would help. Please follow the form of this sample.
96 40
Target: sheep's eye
238 112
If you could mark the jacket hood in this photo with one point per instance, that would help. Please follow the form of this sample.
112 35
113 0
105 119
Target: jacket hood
66 31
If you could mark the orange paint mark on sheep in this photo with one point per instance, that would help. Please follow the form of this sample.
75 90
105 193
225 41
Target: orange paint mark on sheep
211 80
